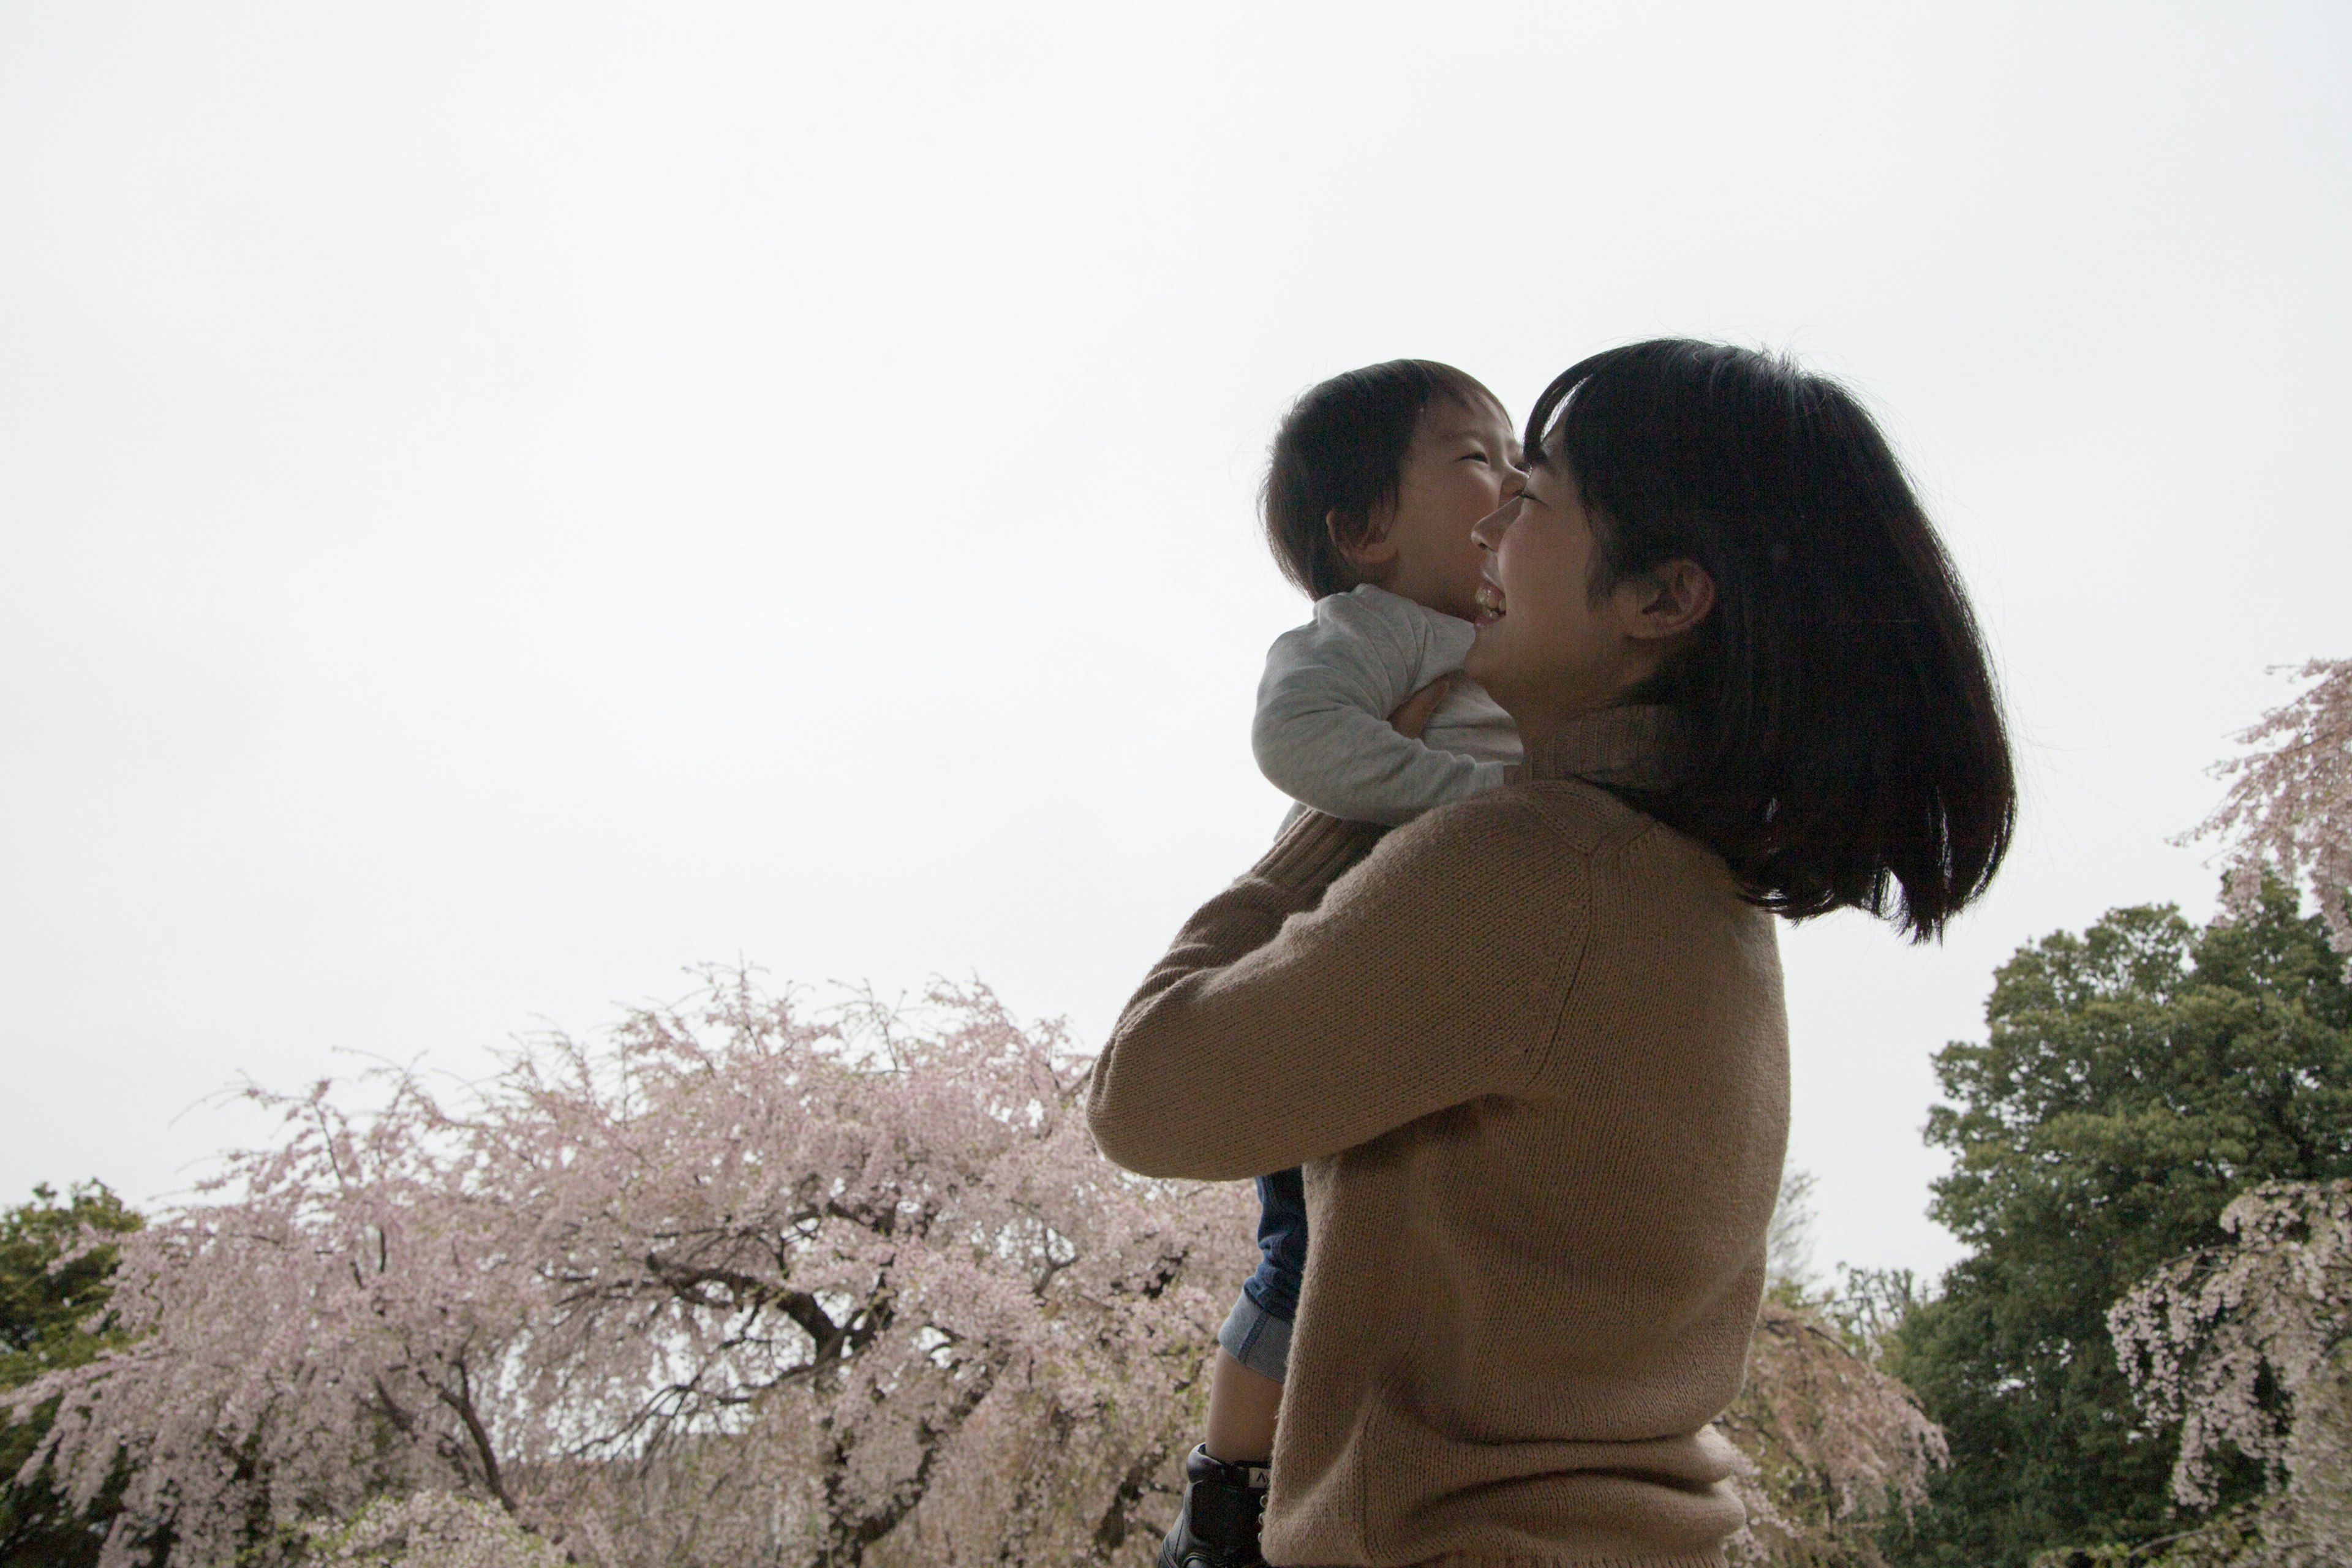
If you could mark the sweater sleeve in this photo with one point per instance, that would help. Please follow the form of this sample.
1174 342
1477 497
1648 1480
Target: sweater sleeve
1288 1023
1321 734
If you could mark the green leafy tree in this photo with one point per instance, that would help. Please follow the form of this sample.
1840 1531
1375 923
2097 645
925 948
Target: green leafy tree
55 1277
2136 1079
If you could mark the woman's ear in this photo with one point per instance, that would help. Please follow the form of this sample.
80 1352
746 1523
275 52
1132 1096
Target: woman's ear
1367 549
1668 600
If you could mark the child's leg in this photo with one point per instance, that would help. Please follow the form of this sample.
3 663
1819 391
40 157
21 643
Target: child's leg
1242 1408
1225 1477
1253 1347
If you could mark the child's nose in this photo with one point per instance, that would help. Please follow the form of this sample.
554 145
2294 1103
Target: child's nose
1489 528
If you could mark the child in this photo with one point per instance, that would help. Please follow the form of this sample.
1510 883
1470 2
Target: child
1376 478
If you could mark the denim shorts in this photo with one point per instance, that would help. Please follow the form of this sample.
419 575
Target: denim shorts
1257 1332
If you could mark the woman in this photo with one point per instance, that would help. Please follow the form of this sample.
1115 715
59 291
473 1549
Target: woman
1531 1048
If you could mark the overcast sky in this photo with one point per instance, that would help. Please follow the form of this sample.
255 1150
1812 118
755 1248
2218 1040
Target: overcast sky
503 503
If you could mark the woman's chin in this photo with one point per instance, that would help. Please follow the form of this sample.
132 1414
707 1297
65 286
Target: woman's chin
1480 662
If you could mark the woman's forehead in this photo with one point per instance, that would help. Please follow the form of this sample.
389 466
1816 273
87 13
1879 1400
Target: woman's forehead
1546 452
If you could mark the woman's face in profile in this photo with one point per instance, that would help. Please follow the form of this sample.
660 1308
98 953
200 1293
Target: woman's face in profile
1546 649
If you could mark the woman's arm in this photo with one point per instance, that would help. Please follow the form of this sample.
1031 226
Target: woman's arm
1288 1022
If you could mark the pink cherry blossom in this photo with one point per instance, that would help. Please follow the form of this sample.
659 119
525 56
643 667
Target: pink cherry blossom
2246 1346
1832 1442
2288 812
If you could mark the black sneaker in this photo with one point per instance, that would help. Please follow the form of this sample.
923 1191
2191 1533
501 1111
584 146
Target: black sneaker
1217 1526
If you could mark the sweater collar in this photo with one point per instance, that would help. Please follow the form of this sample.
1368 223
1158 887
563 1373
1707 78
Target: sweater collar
1641 746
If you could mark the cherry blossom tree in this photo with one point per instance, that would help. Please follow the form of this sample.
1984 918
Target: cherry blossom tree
1833 1442
2248 1346
742 1283
2288 811
737 1284
1834 1445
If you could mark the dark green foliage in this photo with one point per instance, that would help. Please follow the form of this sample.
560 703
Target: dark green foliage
46 1322
2136 1078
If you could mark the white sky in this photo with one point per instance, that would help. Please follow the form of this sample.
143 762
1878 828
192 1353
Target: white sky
504 502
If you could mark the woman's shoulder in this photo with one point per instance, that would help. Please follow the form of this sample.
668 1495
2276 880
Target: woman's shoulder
1523 840
1556 838
1585 813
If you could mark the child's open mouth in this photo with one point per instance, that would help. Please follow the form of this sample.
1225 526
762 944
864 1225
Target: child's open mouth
1489 600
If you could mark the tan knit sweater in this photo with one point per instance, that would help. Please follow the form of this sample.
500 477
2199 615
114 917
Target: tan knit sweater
1533 1056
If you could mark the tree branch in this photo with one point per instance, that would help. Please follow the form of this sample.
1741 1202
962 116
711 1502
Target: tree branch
462 1402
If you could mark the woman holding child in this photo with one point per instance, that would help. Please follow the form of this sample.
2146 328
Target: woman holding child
1529 1047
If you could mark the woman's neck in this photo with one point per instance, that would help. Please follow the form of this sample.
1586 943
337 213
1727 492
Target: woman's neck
1636 744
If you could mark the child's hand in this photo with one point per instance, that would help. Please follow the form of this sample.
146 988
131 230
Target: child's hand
1412 716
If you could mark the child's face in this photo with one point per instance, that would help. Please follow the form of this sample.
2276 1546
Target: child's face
1464 463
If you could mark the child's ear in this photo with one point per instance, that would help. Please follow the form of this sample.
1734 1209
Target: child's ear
1366 549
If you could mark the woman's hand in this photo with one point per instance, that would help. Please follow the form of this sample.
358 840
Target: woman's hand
1412 716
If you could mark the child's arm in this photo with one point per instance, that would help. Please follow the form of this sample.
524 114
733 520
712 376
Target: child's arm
1322 734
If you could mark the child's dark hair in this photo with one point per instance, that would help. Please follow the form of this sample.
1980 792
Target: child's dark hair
1338 455
1846 737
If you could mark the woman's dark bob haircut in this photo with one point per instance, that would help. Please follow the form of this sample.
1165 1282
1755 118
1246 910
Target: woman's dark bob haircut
1846 740
1337 458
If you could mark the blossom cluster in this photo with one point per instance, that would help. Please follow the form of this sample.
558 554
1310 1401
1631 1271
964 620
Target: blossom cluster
2245 1347
2289 805
430 1530
1833 1442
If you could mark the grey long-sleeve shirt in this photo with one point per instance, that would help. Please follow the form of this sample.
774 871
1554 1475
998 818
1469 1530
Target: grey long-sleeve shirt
1322 733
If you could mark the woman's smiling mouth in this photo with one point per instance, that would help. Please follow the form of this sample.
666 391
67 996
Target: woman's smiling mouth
1489 599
